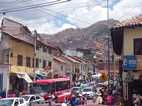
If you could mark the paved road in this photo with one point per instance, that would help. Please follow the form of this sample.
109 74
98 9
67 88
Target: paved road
88 104
79 105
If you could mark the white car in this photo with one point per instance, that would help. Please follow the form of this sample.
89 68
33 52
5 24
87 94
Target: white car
15 101
88 92
33 99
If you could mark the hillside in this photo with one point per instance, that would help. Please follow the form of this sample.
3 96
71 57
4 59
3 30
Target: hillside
85 38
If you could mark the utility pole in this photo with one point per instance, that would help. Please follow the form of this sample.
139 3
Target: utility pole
35 45
108 45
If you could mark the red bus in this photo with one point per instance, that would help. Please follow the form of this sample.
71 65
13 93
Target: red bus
59 86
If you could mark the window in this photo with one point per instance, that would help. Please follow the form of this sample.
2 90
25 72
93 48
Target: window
37 47
61 67
49 51
37 63
138 46
6 56
44 49
28 61
50 64
33 62
21 101
20 60
37 97
1 81
32 98
44 63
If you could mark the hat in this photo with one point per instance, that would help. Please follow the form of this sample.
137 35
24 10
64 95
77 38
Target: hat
98 93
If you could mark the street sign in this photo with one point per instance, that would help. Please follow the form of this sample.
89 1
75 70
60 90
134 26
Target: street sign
103 77
129 63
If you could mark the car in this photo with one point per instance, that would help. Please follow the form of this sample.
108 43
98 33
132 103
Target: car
88 92
14 101
76 90
33 99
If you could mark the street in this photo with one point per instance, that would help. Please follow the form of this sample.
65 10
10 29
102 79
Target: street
89 103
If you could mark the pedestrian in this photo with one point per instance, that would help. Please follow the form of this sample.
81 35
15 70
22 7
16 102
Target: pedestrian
99 99
136 101
17 93
109 100
3 93
73 101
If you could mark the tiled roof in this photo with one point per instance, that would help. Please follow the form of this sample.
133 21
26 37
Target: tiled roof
135 21
70 59
59 59
15 30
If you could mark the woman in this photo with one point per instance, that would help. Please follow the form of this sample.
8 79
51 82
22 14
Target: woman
99 99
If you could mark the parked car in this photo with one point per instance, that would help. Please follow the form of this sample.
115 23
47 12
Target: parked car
76 90
88 92
33 99
14 101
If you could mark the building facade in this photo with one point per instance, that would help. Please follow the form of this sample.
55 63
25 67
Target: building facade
127 43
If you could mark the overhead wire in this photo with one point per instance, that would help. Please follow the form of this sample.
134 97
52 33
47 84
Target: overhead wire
22 8
28 6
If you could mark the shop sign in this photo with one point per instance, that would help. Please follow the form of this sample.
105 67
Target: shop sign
129 63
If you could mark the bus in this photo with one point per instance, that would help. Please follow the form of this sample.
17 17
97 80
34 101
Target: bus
60 87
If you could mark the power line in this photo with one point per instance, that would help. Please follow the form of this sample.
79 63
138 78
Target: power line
81 21
57 17
32 6
28 6
14 1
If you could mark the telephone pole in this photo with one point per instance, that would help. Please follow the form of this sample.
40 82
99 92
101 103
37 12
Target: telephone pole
35 45
108 36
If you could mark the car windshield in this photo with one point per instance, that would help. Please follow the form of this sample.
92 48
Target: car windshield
87 90
26 97
6 102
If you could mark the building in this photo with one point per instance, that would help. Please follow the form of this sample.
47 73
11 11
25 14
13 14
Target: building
59 67
72 67
127 43
23 56
16 55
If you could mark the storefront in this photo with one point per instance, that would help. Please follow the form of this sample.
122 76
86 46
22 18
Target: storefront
4 79
19 78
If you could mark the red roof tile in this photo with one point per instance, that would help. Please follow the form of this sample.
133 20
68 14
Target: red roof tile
130 22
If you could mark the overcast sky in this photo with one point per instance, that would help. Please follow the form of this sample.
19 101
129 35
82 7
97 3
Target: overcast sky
73 14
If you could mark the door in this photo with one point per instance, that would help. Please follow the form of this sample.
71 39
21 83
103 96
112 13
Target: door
1 82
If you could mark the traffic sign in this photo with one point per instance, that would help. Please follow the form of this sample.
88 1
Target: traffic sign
103 77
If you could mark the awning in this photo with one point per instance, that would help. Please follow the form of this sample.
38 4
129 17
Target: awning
25 77
21 69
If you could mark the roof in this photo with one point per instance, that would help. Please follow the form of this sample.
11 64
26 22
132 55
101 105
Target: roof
10 98
71 59
46 81
79 59
17 30
133 22
14 29
59 59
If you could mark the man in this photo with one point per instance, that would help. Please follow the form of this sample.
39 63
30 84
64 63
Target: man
73 101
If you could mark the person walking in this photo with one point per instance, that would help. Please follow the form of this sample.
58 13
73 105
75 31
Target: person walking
99 99
73 101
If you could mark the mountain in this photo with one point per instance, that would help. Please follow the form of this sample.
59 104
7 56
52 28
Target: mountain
85 38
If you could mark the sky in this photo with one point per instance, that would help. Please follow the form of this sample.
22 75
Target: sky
73 14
